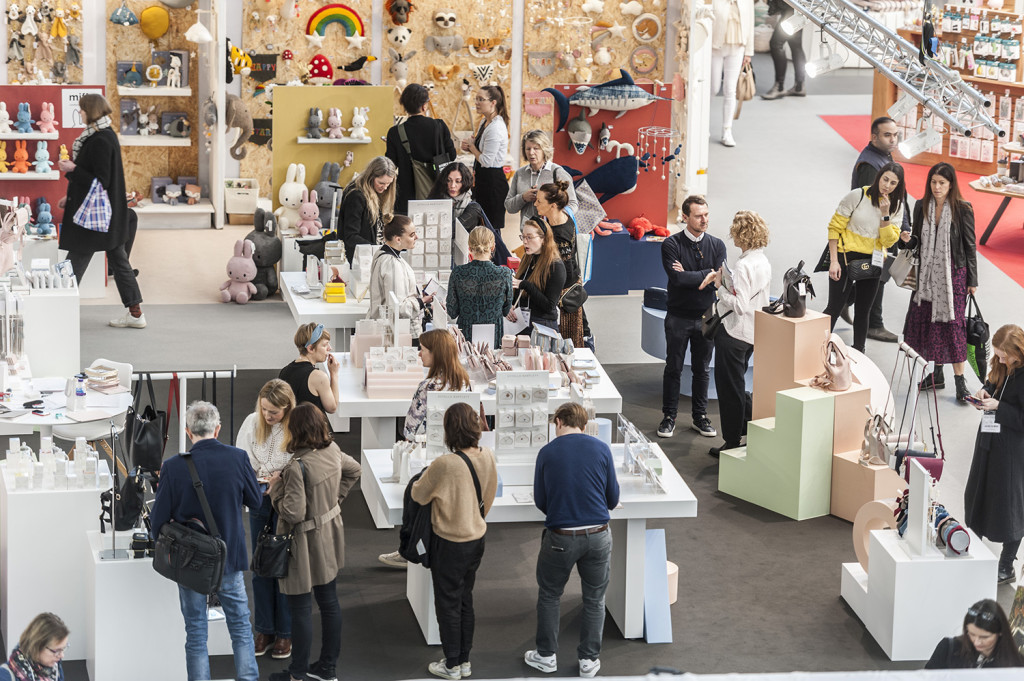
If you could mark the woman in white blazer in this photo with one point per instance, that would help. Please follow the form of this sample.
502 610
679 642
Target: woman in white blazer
732 45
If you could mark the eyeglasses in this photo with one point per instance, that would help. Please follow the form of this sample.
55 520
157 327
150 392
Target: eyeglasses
529 237
59 652
484 99
981 615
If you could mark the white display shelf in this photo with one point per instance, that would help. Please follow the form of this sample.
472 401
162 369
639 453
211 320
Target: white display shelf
183 216
154 141
159 91
52 175
28 135
337 140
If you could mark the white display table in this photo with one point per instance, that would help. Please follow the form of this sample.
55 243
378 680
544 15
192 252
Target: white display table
133 612
909 603
100 407
380 416
339 318
291 258
42 542
625 596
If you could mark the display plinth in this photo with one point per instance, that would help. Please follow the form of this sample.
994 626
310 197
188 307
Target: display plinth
790 350
850 415
52 329
902 602
786 466
854 485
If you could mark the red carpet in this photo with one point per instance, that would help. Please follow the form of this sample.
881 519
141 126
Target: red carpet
1005 247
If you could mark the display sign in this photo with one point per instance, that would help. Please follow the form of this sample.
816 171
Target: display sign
71 115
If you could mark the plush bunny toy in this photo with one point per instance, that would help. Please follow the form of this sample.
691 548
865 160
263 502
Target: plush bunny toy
290 196
358 131
5 118
334 129
313 130
329 173
309 215
241 271
267 254
46 122
25 121
43 164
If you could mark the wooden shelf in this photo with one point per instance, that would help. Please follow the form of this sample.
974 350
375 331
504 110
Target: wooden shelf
147 207
159 91
29 135
338 140
52 175
994 83
154 141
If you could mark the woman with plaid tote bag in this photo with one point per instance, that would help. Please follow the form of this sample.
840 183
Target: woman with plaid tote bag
95 210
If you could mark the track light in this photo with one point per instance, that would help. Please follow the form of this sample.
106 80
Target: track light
925 138
828 61
794 23
902 106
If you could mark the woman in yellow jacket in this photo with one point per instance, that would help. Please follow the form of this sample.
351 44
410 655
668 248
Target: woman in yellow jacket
865 224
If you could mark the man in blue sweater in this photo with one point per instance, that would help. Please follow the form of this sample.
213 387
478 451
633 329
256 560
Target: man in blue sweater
688 257
574 485
229 482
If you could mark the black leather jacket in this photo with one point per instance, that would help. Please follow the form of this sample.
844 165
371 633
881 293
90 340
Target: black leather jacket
961 237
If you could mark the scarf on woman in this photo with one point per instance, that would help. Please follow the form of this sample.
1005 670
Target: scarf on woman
461 201
24 669
935 275
99 124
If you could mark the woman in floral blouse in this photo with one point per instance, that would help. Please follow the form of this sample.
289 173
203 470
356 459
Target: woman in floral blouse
440 355
480 292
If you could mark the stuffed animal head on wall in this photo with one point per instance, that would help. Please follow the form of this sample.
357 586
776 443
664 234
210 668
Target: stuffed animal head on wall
444 44
483 73
241 62
399 36
483 47
445 19
399 10
580 133
443 74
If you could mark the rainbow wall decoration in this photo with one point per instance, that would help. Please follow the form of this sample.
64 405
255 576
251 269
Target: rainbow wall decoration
336 13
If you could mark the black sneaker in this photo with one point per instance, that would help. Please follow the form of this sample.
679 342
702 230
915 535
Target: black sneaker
702 424
321 672
1006 574
667 427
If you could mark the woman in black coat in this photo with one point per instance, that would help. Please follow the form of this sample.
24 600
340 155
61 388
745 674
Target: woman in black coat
994 495
427 140
367 204
986 641
96 155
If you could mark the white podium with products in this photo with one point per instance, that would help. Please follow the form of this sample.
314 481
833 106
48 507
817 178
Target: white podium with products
339 318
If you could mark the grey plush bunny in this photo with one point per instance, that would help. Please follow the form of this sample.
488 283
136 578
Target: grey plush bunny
324 191
316 116
267 253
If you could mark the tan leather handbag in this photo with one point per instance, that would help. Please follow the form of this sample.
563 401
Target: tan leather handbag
746 88
838 374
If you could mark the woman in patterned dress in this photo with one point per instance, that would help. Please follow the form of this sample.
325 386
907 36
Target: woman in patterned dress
480 292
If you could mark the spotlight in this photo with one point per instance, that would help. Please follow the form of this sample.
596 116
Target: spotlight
925 138
794 23
902 106
828 61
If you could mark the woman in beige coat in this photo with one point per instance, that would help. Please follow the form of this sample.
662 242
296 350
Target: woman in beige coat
307 496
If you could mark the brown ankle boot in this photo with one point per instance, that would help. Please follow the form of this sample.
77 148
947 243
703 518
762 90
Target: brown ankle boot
262 643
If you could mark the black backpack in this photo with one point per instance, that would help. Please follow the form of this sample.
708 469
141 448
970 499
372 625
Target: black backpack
417 530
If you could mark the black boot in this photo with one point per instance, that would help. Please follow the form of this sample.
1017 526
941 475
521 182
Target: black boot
934 380
961 389
1006 558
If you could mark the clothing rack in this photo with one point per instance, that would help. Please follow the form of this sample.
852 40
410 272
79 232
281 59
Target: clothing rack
181 378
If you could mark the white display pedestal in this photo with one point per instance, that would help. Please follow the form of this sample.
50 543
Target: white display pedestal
53 328
909 603
44 576
34 247
120 642
94 283
291 258
339 318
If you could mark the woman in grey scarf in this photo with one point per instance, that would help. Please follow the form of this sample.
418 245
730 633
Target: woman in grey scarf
455 182
943 233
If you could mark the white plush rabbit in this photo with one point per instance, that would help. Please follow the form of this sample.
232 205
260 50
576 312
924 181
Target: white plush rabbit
358 131
5 118
290 196
309 215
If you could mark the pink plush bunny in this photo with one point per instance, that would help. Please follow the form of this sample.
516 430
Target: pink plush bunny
309 215
241 271
334 129
46 122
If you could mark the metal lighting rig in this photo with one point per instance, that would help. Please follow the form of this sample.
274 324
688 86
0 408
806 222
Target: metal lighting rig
939 89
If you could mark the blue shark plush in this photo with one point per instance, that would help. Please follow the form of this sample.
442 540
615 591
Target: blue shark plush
621 95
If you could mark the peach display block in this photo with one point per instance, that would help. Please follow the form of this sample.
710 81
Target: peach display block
788 350
850 417
854 485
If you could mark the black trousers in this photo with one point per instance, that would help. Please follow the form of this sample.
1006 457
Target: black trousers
732 357
301 607
1008 554
777 46
862 293
453 567
489 190
124 276
680 332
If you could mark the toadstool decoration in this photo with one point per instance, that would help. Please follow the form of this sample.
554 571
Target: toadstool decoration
287 55
320 70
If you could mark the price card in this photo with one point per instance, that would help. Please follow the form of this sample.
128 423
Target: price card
877 258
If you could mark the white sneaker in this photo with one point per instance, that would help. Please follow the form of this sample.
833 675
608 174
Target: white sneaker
441 669
727 140
545 664
393 559
129 322
467 670
589 668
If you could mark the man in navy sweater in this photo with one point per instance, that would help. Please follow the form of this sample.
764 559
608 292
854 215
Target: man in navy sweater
229 482
574 485
688 257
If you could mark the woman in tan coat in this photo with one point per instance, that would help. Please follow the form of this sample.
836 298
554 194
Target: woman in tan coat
307 496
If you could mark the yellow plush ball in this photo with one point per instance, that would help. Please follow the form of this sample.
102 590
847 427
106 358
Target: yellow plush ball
154 22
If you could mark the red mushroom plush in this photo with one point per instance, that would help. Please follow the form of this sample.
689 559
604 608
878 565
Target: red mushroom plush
320 70
287 55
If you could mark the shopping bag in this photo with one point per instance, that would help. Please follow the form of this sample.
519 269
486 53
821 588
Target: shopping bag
977 339
94 214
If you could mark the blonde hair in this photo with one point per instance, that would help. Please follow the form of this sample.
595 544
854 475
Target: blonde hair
749 230
279 394
95 106
481 241
542 140
379 205
43 628
304 333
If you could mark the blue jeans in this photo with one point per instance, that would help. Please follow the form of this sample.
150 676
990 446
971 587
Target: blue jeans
591 556
271 615
236 610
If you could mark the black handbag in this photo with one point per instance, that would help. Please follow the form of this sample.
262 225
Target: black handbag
186 553
271 552
124 506
978 335
796 286
145 430
861 269
711 321
573 297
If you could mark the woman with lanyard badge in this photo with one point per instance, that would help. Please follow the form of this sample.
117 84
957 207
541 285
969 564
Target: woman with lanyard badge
986 641
540 278
539 170
550 203
489 148
389 273
366 203
993 503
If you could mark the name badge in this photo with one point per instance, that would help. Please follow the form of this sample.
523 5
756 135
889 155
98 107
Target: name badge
877 258
988 423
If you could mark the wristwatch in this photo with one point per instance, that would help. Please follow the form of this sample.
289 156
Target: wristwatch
886 218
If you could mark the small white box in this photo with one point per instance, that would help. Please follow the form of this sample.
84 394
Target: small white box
419 247
417 219
431 262
445 246
445 230
430 245
524 416
432 218
540 437
431 230
417 262
523 439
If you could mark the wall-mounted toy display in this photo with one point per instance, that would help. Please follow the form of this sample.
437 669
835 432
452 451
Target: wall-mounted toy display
44 43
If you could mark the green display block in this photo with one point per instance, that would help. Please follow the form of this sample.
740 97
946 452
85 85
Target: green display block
786 466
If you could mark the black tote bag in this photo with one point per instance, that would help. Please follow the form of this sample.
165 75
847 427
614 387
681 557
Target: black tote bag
145 430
